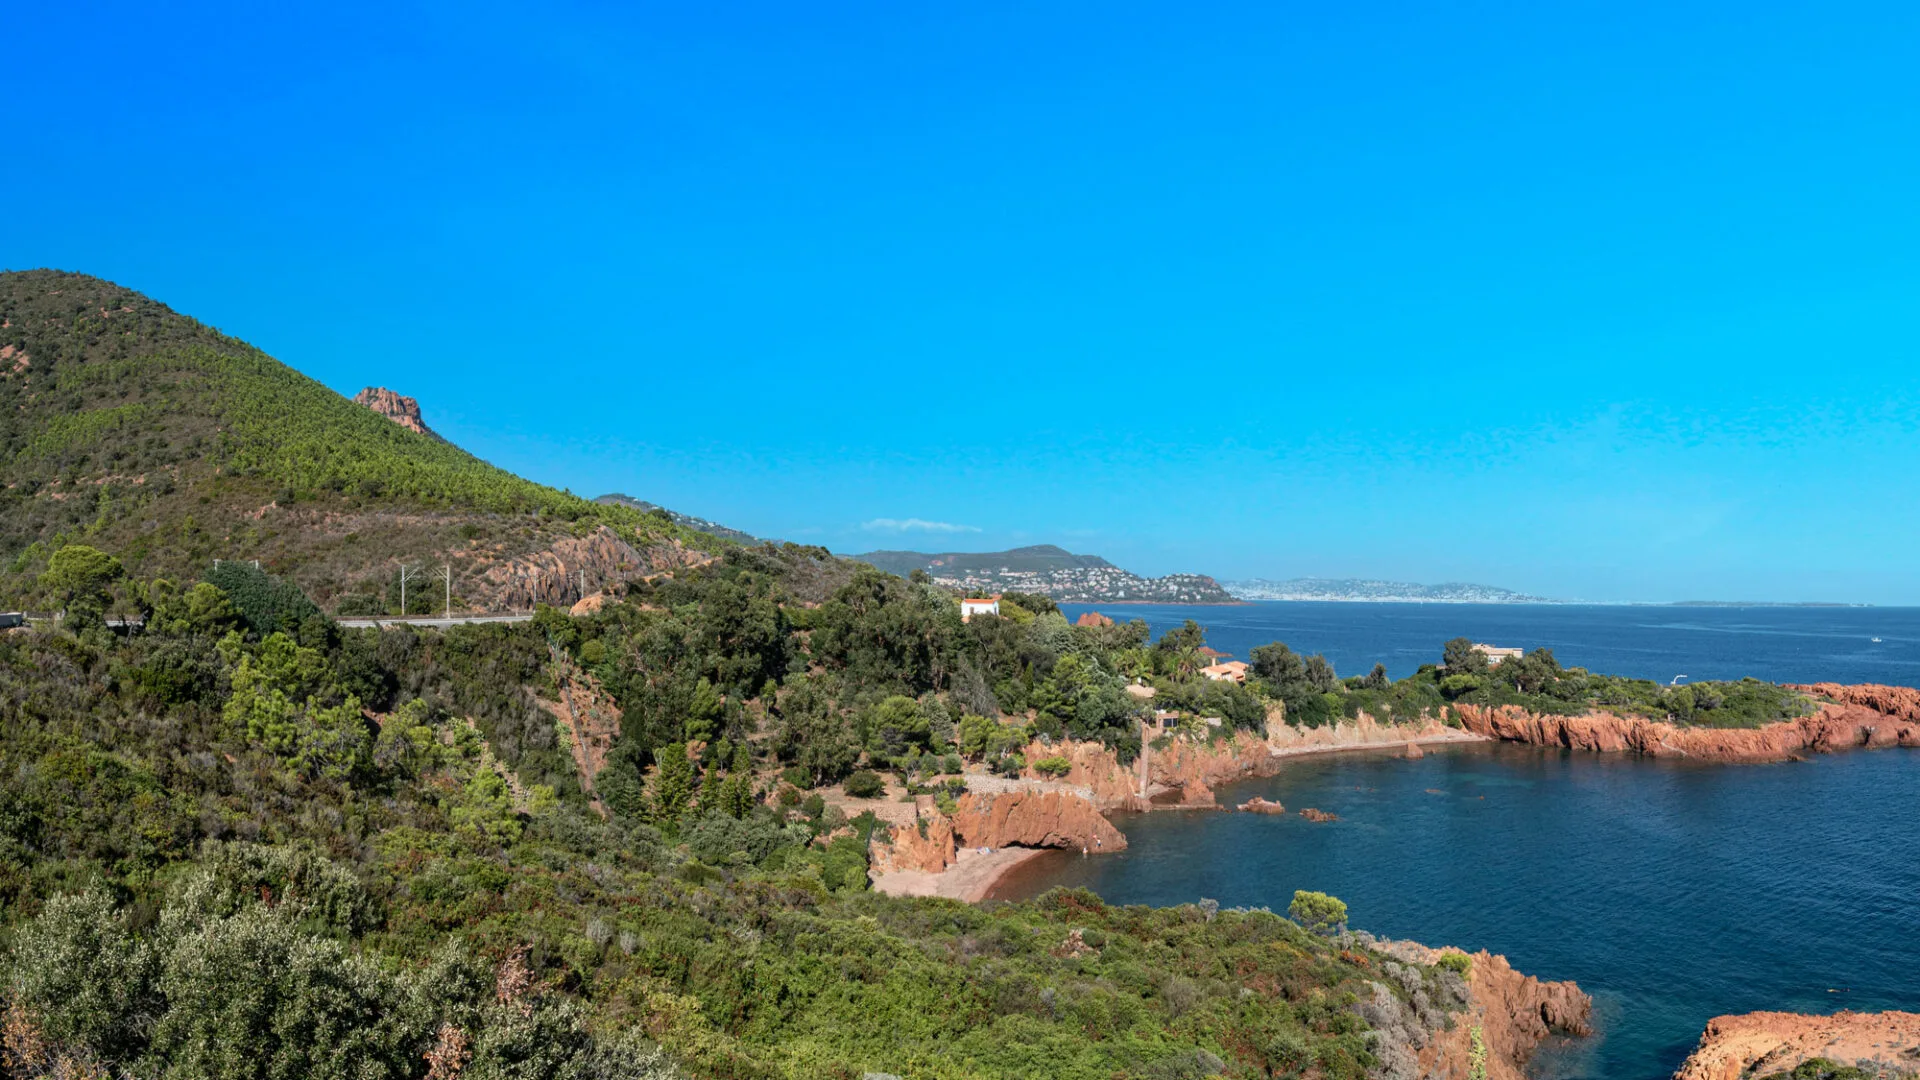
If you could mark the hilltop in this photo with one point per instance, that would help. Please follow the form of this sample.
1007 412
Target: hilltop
1051 571
1362 590
137 429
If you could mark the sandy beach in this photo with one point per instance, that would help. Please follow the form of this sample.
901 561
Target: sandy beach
971 877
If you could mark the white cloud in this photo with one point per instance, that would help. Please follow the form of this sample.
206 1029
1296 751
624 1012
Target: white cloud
901 525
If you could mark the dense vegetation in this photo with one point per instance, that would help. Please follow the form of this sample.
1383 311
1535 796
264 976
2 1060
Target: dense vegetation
132 427
239 841
1535 681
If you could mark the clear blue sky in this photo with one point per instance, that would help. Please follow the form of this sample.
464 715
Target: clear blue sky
1600 300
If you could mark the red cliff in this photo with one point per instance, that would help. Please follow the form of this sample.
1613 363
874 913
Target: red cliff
1756 1044
1034 819
1510 1012
1843 725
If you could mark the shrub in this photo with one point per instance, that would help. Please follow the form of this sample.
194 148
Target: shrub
865 784
1457 962
1318 912
1053 767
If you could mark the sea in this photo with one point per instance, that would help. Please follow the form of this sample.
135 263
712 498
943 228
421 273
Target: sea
1671 891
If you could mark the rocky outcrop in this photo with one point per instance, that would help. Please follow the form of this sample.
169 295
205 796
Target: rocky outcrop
402 410
1317 815
1758 1044
1032 819
1258 805
1899 702
1510 1012
554 576
1843 725
928 846
1092 618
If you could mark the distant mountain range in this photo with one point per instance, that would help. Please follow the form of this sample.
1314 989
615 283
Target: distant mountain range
1363 590
698 524
1053 571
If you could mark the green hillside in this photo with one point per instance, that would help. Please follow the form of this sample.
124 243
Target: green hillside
136 428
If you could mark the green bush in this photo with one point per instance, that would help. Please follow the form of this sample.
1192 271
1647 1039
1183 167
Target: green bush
1318 912
1053 767
865 784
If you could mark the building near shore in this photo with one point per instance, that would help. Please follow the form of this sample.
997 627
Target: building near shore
1228 671
1495 653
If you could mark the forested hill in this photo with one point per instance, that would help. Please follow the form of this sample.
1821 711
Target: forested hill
136 428
1050 571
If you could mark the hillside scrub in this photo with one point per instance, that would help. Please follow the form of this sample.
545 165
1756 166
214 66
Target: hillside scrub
329 852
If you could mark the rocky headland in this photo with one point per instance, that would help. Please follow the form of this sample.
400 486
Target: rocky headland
1762 1044
1857 717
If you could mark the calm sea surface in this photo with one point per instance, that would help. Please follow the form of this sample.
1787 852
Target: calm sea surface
1671 891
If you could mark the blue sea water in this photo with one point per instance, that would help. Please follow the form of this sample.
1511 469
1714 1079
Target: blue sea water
1777 644
1671 891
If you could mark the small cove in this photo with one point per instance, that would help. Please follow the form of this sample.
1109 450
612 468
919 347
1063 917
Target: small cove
1671 891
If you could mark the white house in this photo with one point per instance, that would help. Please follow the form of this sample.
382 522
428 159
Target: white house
971 606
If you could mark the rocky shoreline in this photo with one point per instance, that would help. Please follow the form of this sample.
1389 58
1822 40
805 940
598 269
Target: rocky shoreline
1863 717
965 854
1885 1044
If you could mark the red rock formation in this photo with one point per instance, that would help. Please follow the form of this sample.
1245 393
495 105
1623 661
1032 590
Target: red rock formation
1258 805
1414 753
404 411
553 576
1756 1044
930 851
1843 726
1513 1013
1316 815
1092 618
1900 702
1034 819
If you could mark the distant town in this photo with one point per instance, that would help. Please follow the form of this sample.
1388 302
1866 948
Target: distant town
1363 590
1051 571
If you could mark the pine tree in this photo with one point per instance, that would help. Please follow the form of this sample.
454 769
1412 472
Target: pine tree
672 785
736 795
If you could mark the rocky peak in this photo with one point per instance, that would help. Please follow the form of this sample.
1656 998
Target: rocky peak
404 411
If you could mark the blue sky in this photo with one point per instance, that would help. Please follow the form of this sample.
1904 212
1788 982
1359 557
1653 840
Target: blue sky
1610 301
